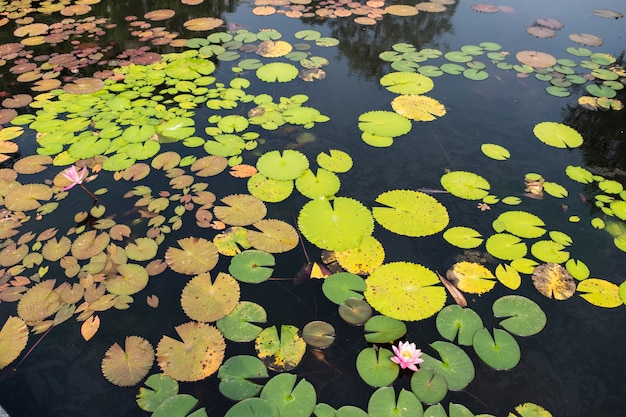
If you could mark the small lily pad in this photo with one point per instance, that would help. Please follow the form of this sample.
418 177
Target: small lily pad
376 368
280 353
318 334
340 286
383 403
252 266
557 135
383 329
355 311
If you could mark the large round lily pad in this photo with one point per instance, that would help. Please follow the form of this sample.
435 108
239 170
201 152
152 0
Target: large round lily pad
205 300
376 368
126 367
557 135
291 399
280 353
465 185
252 266
519 223
553 281
455 320
383 403
407 83
235 376
405 291
500 351
430 387
288 165
238 324
524 316
455 366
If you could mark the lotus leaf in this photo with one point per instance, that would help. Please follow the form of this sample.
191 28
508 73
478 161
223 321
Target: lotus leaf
549 251
277 72
237 325
579 174
384 123
407 83
205 300
13 339
338 227
494 151
195 256
553 280
253 407
600 292
506 246
142 249
519 223
275 236
383 403
455 366
471 277
126 367
252 266
280 353
557 135
418 107
354 311
465 185
271 191
179 405
235 377
363 259
335 161
340 286
429 386
500 351
454 320
376 368
199 354
39 302
577 269
286 166
405 291
508 276
525 317
463 237
240 210
410 213
130 279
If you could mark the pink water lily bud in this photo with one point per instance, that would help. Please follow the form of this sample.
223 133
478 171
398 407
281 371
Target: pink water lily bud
407 355
74 176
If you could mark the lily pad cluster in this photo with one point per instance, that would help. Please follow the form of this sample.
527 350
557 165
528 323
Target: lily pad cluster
596 71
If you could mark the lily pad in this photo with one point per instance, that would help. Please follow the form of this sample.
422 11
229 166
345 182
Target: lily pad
363 259
553 280
280 353
463 237
417 107
195 256
519 223
500 351
318 334
160 388
238 324
524 316
384 123
383 329
355 311
252 266
471 277
407 83
126 367
430 387
205 300
291 399
277 72
506 246
236 375
340 286
376 368
455 366
286 166
335 161
466 185
600 292
383 403
455 320
410 213
13 339
493 151
557 135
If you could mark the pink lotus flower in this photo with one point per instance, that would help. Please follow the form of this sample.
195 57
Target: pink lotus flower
407 355
74 176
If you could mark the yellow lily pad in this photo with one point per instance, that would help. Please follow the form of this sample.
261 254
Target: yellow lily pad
195 256
205 300
13 339
126 367
471 277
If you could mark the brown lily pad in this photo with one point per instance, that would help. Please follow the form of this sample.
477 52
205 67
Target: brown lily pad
586 39
161 14
554 281
126 367
13 339
205 300
195 256
85 85
203 23
536 59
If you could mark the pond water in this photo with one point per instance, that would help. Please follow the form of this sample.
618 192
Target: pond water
573 367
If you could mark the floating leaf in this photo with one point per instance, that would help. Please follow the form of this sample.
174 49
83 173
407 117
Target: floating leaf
384 123
463 237
39 302
322 185
142 249
337 161
90 327
471 277
291 399
203 23
494 151
407 83
508 276
253 406
235 376
465 185
280 353
455 366
206 300
600 292
579 174
240 210
429 386
195 256
553 280
383 403
340 286
338 227
126 367
383 329
286 166
130 279
252 266
410 213
354 311
237 325
506 246
405 291
577 269
520 223
536 59
524 316
199 354
557 135
277 72
455 320
13 339
500 351
318 334
363 259
162 388
376 368
417 107
549 251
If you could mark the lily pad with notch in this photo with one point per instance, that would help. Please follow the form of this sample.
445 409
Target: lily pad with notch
410 213
430 387
355 311
463 237
238 326
160 387
466 185
237 375
291 399
524 316
252 266
455 366
318 334
455 320
501 351
383 329
280 353
376 368
340 286
383 403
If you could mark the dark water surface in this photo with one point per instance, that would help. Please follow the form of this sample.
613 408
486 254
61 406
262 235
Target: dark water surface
575 367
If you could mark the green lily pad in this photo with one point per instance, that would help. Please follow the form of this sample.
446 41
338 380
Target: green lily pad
355 311
269 190
601 91
238 326
253 407
463 237
286 166
466 185
455 320
519 223
508 276
506 246
458 56
405 291
429 386
549 251
475 74
335 161
383 329
225 145
557 135
383 403
376 368
497 152
160 388
500 351
322 185
555 190
577 269
179 406
178 128
377 141
579 174
410 213
384 123
340 286
291 399
455 366
340 226
407 83
252 266
525 317
277 72
452 69
235 374
280 353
